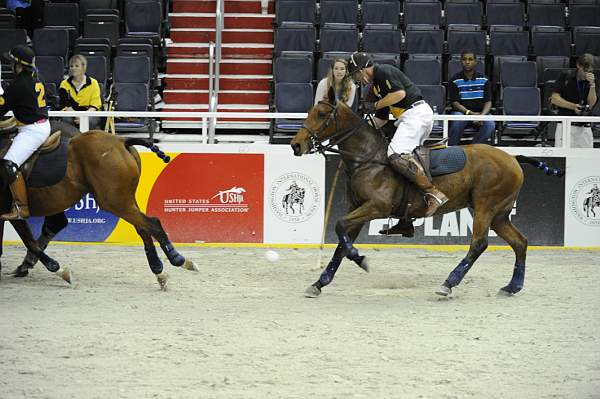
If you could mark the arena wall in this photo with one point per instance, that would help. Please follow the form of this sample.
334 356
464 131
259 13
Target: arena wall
262 194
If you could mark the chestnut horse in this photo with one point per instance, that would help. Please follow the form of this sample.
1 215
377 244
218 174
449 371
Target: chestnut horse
489 183
108 167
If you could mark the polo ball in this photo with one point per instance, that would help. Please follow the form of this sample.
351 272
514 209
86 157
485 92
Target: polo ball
272 256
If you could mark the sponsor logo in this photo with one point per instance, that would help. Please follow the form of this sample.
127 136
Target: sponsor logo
226 201
584 201
294 197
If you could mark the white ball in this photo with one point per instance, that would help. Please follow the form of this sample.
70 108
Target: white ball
272 256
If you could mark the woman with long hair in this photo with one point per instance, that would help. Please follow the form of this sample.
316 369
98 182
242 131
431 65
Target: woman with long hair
338 78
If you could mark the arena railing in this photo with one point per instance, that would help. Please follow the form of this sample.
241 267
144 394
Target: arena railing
204 117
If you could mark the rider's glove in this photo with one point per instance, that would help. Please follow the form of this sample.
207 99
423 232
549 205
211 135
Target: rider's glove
368 107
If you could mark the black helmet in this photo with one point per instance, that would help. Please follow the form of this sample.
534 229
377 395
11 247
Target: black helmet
358 61
21 54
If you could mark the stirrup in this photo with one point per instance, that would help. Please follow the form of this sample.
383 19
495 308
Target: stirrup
14 214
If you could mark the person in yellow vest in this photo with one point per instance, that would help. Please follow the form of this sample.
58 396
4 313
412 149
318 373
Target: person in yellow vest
25 97
80 92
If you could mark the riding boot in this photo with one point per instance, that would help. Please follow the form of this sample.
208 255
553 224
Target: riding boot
404 227
20 209
409 167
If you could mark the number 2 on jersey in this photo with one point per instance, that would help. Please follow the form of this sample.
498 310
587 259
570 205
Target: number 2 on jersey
39 89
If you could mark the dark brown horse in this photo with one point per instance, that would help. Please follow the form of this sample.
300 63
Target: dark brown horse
108 167
489 183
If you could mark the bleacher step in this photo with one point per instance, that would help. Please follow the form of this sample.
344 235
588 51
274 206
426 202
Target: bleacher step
231 21
227 66
225 96
232 50
202 35
237 6
226 82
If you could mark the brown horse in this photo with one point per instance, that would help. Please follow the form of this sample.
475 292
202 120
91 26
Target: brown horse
489 183
108 167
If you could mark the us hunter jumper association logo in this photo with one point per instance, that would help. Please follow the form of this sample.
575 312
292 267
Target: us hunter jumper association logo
227 201
584 201
294 197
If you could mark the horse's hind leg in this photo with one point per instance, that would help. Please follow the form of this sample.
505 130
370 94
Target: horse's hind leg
154 261
505 229
52 226
172 254
328 273
479 243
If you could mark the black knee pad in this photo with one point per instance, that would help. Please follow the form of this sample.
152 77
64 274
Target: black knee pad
8 170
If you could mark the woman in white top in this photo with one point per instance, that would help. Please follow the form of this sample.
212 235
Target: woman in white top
338 78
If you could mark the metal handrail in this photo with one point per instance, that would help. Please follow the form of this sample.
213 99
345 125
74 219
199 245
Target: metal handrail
214 99
212 105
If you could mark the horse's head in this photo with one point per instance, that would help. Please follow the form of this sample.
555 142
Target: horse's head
321 124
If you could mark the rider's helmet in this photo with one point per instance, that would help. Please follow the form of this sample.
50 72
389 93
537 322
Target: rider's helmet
358 61
21 54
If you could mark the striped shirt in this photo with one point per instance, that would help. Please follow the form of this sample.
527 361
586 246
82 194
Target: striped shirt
471 93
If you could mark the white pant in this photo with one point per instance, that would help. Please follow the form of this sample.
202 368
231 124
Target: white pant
581 136
413 128
27 141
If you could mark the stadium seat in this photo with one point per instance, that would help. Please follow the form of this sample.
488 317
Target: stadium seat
131 90
545 12
51 68
94 47
338 37
63 14
550 40
587 40
381 12
584 14
85 5
51 41
295 11
455 66
145 19
381 38
102 26
417 12
295 36
97 68
291 97
338 11
435 95
461 37
518 74
520 101
293 69
424 39
8 21
463 12
505 12
325 61
550 62
424 70
508 40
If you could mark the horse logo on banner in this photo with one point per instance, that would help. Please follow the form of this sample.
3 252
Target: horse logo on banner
584 201
294 198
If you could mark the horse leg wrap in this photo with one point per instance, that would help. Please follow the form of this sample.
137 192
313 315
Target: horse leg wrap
518 279
45 238
329 272
175 257
458 273
154 261
50 263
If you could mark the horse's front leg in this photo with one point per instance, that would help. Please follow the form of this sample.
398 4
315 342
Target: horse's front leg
52 226
347 230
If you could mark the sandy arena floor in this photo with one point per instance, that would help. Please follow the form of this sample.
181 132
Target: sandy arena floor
242 329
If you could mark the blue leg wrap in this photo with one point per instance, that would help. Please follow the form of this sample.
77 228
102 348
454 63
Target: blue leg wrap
175 257
154 261
331 269
458 273
50 263
518 278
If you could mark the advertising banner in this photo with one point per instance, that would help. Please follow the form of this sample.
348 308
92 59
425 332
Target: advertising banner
582 197
538 213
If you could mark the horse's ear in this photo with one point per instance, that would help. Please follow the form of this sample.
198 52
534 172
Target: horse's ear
331 96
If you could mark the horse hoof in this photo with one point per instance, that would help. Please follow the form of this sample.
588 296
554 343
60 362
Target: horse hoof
163 279
443 290
510 290
312 292
361 261
20 272
191 266
66 274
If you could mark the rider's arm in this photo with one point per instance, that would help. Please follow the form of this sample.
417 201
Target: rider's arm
390 99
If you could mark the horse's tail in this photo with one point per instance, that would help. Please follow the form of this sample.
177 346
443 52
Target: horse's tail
550 171
148 143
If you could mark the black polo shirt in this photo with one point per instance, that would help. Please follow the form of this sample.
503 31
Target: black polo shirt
471 93
26 97
389 79
572 90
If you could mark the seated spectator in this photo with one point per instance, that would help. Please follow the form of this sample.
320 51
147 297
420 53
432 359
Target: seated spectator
470 94
80 92
338 78
575 94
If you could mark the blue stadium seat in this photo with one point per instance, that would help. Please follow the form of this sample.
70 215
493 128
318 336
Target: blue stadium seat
461 37
463 12
338 37
422 12
381 38
338 11
51 68
295 36
520 101
550 40
102 26
293 69
508 40
424 39
435 95
291 97
64 15
550 62
545 13
50 41
518 74
424 70
584 14
381 12
587 40
295 11
505 12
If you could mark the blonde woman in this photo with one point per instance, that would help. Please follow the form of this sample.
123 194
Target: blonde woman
80 92
338 78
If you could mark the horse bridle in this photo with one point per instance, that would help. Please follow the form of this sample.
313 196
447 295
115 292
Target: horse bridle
316 143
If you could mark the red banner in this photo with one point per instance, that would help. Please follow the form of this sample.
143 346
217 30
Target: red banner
211 198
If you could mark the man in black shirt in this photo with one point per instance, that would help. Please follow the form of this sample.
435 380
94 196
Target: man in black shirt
414 120
470 94
25 97
572 94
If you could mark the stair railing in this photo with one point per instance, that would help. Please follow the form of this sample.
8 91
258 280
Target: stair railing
214 97
212 105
